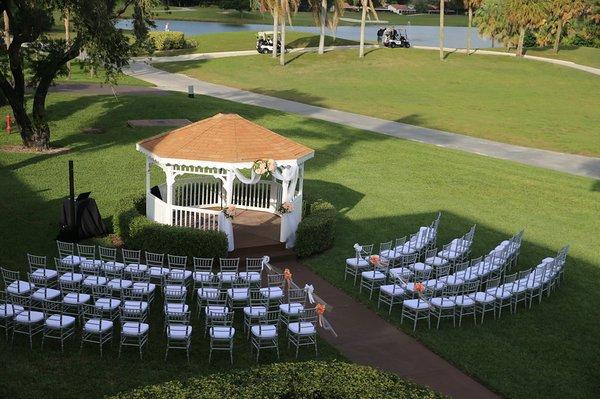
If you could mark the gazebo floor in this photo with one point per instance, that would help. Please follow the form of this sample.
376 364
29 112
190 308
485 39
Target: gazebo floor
255 229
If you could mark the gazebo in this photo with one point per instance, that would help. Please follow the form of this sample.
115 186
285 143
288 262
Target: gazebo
225 161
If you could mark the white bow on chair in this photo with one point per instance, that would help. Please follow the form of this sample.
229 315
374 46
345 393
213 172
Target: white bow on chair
265 262
309 289
357 247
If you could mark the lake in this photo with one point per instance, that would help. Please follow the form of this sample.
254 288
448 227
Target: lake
417 35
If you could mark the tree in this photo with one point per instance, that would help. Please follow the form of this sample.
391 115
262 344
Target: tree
563 11
470 4
31 57
525 15
273 7
238 5
323 17
287 8
368 9
491 21
441 32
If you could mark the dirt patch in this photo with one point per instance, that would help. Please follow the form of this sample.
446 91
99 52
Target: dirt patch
29 150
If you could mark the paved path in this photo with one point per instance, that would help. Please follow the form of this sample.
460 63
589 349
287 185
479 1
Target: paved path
365 338
568 163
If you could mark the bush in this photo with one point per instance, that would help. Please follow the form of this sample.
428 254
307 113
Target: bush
314 379
316 231
168 40
136 231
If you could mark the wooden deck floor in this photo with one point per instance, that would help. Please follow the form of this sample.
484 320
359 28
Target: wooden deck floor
255 229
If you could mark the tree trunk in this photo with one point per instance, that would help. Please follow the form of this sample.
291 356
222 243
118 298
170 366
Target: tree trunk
493 41
558 35
323 21
521 40
282 53
68 39
361 47
469 30
442 30
275 28
6 29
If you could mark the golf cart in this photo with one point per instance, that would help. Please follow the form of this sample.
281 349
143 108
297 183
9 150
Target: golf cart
264 42
393 38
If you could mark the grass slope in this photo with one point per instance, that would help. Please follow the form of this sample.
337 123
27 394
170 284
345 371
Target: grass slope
580 55
503 99
215 14
383 188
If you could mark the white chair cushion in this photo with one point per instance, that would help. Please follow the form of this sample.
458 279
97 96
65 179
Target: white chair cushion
119 284
20 287
434 284
450 254
136 305
420 267
176 308
442 302
215 310
373 275
402 272
55 322
46 273
252 277
452 279
71 277
94 281
202 276
392 290
113 266
271 292
302 328
227 277
45 294
134 268
391 254
29 316
97 326
207 292
145 288
73 298
90 265
180 274
498 293
436 261
291 308
8 310
107 303
73 259
179 331
416 304
221 332
238 294
175 290
156 271
357 263
463 300
482 297
264 331
134 329
255 311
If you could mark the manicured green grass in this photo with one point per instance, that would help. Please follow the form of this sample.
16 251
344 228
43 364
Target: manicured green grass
235 41
580 55
215 14
383 188
498 98
80 75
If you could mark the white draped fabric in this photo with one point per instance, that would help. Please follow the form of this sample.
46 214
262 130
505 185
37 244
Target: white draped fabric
226 227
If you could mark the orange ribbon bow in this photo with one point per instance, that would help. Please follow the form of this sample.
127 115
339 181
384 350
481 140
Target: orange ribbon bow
375 260
320 309
419 287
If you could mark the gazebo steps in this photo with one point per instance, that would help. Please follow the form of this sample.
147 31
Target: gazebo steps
276 252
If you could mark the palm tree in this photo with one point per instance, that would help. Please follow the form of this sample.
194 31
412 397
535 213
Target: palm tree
286 8
320 12
367 9
525 14
563 11
442 12
273 7
470 4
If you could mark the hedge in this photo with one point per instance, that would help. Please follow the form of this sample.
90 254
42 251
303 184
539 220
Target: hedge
136 231
308 380
168 40
316 231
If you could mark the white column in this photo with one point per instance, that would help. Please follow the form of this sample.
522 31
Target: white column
228 187
301 180
148 164
170 182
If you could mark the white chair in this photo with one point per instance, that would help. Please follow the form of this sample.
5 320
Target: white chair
484 301
156 267
39 268
66 253
108 256
503 293
13 285
254 310
272 294
105 302
264 334
174 289
73 299
43 293
8 311
253 271
134 329
66 270
89 264
210 286
221 333
29 322
359 263
228 269
433 260
216 305
96 329
178 332
132 300
373 279
465 305
304 331
141 283
415 310
239 293
390 294
133 263
291 309
116 279
58 324
202 270
444 306
178 269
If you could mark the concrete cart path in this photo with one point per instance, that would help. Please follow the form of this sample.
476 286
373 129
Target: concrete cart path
568 163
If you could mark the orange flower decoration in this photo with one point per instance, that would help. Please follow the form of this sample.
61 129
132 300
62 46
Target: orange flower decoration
375 259
287 274
419 287
320 309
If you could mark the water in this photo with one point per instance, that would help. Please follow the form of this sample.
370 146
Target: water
417 35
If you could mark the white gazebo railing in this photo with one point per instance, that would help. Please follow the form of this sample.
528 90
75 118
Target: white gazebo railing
264 195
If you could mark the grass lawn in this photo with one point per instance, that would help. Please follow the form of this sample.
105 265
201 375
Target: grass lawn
216 14
235 41
79 75
382 187
580 55
503 99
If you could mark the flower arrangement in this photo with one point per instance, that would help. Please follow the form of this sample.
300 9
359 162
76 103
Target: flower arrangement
320 310
286 207
229 212
375 260
419 287
264 167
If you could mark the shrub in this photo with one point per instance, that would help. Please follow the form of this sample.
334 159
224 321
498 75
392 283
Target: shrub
316 231
314 379
168 40
137 231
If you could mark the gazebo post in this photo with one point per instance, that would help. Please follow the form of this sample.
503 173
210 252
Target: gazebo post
148 165
170 182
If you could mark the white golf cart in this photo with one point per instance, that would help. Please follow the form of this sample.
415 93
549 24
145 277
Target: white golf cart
393 38
264 42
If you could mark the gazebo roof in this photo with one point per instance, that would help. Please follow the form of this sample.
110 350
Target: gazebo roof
223 138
